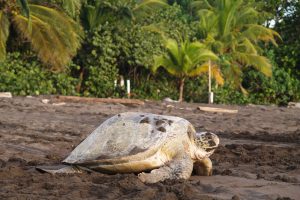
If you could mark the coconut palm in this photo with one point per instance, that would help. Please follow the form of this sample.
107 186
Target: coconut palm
231 28
186 59
53 35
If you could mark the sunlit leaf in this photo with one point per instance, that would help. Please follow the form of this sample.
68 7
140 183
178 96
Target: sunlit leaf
4 32
54 36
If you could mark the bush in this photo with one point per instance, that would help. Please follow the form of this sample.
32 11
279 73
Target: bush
196 89
155 87
98 61
280 89
100 81
27 77
228 95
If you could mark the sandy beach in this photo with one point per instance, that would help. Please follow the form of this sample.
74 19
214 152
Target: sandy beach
258 158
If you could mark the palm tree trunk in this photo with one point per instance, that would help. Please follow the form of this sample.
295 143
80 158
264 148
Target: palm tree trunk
181 85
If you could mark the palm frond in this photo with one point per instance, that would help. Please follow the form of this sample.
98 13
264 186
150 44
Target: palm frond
260 63
198 70
233 73
204 55
202 69
227 14
144 7
184 59
23 4
196 53
59 22
4 32
158 62
158 28
173 52
257 32
202 4
54 36
167 64
173 71
247 15
207 22
217 74
247 46
92 16
232 30
72 7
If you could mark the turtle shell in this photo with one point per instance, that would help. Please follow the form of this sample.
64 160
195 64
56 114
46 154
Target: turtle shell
128 134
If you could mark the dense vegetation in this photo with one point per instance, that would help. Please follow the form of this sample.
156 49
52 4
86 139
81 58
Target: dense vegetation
80 47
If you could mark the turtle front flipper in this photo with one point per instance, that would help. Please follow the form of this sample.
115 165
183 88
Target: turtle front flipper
203 167
180 167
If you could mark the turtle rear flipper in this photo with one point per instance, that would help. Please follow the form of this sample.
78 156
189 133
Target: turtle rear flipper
59 169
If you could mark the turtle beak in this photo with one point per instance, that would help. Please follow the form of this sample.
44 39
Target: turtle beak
215 140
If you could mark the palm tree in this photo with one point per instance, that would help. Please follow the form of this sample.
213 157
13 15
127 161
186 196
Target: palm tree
186 59
53 35
231 28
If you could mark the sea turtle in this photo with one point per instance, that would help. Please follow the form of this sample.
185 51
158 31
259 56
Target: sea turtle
166 146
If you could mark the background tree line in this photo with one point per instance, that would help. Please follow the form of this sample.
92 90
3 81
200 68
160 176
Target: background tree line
79 47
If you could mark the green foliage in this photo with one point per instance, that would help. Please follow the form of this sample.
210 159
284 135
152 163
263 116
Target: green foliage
143 45
155 87
72 7
98 61
140 42
53 35
112 47
171 22
197 89
229 95
27 77
122 37
4 31
287 55
100 81
279 89
96 13
24 8
232 30
186 59
185 4
277 10
115 45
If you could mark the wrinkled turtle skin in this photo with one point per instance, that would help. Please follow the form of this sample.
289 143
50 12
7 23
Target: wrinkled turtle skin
166 146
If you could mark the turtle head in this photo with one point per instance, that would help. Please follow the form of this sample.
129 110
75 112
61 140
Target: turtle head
206 143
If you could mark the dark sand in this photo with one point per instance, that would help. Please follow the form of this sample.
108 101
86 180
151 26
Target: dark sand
259 156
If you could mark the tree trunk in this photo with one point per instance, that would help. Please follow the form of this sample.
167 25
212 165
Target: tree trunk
78 86
181 85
